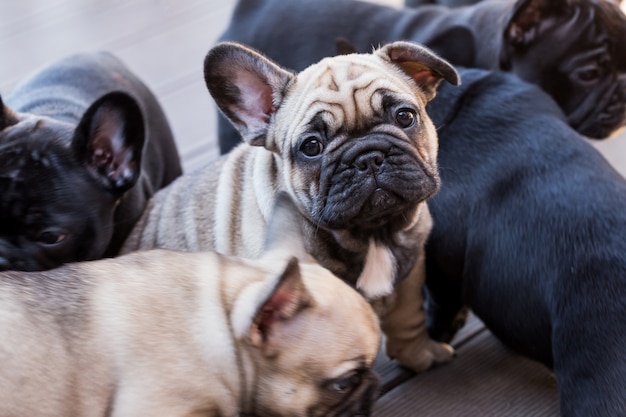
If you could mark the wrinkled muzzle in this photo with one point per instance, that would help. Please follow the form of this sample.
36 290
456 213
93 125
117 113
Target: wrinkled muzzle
372 181
606 112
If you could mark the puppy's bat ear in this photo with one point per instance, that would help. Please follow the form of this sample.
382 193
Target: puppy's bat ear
422 65
344 46
527 21
283 234
109 141
273 321
524 24
7 116
246 86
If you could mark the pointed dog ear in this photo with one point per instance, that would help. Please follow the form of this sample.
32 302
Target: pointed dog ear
422 65
273 323
246 86
109 141
7 116
526 17
344 47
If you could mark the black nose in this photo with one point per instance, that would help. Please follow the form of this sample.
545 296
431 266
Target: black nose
370 160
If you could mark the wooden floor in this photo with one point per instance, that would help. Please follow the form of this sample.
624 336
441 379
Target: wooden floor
164 42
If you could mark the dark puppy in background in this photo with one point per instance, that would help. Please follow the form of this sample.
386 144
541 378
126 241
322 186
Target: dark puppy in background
573 49
528 232
83 145
451 3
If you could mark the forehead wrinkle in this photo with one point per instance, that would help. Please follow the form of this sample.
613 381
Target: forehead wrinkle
309 112
333 81
338 101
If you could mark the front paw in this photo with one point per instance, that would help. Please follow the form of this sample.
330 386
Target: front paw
443 325
420 354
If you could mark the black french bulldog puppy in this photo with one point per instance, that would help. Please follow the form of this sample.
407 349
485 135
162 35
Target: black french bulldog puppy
530 233
451 3
573 49
83 146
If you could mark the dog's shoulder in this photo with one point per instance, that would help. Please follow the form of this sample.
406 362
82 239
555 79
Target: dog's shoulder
488 97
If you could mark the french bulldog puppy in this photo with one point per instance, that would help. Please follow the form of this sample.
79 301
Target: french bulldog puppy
348 139
573 49
455 3
83 145
528 232
165 333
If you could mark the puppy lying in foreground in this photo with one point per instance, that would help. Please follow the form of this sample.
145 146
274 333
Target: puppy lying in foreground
164 333
350 141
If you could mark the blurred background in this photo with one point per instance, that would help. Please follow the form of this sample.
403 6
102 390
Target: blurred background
162 41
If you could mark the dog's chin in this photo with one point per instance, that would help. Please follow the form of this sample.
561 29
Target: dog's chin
380 208
602 113
605 125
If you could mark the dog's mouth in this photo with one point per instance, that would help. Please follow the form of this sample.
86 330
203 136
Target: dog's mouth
379 208
605 116
383 193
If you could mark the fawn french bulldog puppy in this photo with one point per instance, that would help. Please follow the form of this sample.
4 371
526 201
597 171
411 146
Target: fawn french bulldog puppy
351 143
167 333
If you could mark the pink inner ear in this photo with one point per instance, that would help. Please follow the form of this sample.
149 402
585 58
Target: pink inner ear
283 303
256 97
424 78
530 16
420 73
111 156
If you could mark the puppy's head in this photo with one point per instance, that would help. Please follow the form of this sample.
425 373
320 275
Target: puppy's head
60 183
358 150
312 338
573 49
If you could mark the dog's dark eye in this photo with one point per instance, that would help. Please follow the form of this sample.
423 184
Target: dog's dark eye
51 237
346 383
311 146
588 74
405 118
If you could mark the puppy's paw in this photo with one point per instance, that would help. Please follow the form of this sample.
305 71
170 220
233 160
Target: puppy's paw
442 328
420 355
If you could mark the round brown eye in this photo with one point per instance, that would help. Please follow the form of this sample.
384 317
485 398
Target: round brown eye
591 73
346 383
51 237
405 118
311 147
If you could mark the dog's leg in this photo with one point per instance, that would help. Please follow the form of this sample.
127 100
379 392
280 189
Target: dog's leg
445 310
404 325
443 322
